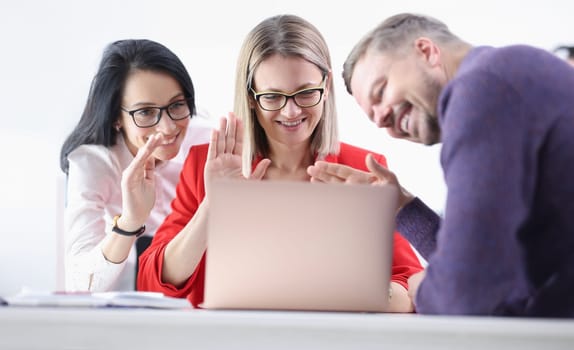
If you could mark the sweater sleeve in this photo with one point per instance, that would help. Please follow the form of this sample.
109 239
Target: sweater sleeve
476 264
405 262
419 224
189 194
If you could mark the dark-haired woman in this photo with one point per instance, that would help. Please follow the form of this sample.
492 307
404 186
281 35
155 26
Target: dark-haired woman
123 161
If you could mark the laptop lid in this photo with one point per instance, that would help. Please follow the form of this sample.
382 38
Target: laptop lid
299 246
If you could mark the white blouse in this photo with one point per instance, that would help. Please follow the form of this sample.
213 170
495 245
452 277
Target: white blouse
94 197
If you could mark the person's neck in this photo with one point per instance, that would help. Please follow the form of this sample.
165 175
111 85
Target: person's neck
289 162
455 58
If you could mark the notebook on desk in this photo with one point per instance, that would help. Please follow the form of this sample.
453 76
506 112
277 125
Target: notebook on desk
299 246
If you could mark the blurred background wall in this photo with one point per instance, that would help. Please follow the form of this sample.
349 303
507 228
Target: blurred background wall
50 51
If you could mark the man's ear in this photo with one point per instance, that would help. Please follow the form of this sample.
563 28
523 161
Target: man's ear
428 50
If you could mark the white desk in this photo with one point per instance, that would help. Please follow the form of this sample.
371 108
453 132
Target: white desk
65 328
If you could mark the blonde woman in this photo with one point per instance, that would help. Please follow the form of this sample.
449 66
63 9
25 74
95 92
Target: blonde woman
285 99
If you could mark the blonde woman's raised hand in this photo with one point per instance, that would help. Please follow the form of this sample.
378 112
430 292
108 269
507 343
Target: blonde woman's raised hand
224 157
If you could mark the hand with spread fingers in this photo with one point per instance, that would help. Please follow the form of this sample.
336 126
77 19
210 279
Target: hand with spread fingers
224 156
327 172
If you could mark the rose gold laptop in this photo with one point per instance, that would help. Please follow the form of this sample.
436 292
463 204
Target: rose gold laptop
299 246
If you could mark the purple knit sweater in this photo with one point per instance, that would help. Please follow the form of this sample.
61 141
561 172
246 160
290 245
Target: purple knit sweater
506 244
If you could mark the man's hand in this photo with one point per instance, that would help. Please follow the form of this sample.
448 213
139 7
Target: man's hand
327 172
414 282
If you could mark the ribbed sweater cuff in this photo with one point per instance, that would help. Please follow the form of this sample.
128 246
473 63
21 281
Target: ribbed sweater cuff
419 225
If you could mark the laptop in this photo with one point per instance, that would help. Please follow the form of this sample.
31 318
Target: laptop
277 245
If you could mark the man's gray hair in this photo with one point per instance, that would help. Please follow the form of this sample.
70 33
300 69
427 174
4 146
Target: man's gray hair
395 34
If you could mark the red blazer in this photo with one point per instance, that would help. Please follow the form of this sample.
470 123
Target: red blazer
190 192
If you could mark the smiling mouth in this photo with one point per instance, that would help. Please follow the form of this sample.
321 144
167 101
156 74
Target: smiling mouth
291 124
405 124
168 140
403 118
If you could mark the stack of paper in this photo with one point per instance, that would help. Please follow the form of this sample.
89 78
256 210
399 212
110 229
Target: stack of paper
104 299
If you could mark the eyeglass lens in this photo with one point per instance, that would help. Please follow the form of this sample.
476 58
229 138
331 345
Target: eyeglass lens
149 116
276 101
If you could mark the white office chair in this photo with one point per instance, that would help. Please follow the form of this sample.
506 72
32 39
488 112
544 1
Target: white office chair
60 248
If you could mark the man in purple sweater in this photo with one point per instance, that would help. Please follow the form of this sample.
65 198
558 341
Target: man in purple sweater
505 117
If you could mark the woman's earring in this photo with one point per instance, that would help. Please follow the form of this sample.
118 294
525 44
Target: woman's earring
117 126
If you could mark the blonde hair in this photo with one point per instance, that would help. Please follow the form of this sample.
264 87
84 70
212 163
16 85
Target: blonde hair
287 35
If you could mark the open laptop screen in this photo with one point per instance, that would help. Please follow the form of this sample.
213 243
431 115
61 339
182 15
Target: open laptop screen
299 246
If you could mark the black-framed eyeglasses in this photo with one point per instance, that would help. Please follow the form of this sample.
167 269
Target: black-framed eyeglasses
147 117
305 98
